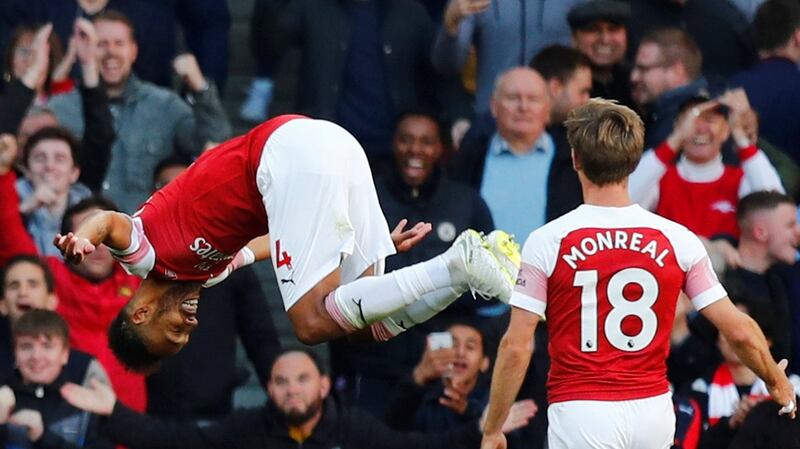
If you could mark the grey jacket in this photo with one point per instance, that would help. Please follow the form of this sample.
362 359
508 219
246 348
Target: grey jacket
151 123
508 34
41 224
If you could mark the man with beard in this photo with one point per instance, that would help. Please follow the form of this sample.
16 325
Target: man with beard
300 412
665 73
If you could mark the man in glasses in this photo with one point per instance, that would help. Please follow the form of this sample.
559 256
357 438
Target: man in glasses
666 72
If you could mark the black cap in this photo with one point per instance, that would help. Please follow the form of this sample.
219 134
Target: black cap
587 13
701 97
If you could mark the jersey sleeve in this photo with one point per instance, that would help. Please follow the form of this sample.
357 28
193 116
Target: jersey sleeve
700 283
139 258
530 293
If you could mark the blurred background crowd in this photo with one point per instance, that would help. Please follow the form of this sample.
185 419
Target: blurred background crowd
459 105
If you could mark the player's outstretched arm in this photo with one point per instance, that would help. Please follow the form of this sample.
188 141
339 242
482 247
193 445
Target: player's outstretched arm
110 228
751 346
255 250
513 357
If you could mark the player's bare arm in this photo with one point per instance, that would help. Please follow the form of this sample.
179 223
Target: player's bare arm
260 247
513 357
110 228
751 346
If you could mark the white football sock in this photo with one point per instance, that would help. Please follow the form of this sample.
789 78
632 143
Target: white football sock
420 311
372 298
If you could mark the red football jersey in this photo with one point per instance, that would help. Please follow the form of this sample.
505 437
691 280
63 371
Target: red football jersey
198 222
608 280
706 208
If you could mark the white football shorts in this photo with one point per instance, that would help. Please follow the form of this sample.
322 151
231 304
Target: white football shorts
322 208
635 424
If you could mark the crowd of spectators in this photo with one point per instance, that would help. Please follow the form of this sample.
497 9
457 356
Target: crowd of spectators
459 105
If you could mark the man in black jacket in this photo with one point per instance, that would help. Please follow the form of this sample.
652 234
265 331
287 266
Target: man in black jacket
767 272
416 190
300 414
32 412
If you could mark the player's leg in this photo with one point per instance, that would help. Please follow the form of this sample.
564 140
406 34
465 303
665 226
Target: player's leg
370 231
327 228
391 303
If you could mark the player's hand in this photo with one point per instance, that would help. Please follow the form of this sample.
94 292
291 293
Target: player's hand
8 152
188 69
32 420
435 364
494 441
73 248
7 403
457 10
405 240
98 398
783 392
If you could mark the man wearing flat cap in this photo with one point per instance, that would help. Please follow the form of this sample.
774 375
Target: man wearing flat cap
600 31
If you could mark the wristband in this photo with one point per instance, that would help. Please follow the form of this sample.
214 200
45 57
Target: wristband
788 409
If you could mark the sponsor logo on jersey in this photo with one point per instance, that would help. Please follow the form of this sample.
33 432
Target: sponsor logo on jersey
210 256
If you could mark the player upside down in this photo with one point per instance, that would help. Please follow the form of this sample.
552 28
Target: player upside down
299 191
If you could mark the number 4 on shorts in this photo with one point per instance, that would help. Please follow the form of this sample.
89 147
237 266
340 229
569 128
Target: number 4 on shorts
282 258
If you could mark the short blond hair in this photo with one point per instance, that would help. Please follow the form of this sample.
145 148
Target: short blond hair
607 139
